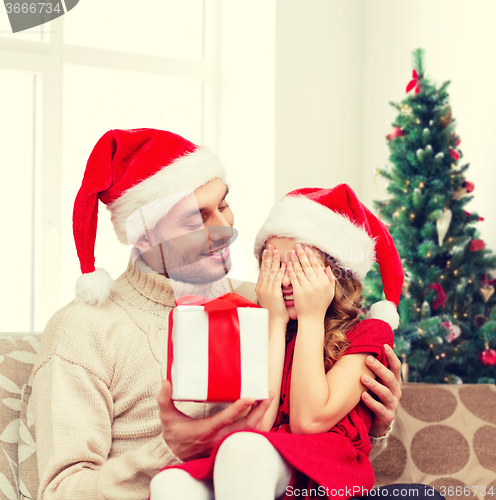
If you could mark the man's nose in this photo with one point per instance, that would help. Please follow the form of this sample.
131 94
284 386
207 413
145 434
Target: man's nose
217 233
219 228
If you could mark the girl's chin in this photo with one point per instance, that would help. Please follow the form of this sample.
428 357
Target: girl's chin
291 312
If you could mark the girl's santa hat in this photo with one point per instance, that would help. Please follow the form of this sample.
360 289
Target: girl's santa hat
127 170
337 223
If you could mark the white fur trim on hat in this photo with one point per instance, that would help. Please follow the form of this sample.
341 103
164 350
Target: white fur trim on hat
146 217
186 172
386 311
94 288
313 224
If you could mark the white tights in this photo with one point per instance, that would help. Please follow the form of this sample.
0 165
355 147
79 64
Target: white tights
247 466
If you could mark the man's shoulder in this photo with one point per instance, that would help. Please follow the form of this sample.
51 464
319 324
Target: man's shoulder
247 290
78 329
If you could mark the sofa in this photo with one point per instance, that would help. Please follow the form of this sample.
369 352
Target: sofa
443 435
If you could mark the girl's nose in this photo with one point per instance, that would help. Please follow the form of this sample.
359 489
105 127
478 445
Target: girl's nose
286 282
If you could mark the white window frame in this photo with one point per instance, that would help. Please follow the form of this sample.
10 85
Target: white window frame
47 59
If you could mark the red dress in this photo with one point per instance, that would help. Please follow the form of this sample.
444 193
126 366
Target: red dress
336 460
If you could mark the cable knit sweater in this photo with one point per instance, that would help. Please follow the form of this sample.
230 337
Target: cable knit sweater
96 380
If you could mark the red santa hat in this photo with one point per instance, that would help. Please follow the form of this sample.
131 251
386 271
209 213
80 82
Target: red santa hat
128 170
337 223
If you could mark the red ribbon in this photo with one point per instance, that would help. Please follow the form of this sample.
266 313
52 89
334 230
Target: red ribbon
224 344
485 281
415 83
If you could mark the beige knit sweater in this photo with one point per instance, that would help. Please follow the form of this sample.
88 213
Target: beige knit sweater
96 381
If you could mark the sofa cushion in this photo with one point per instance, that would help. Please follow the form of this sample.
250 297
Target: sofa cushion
444 436
28 467
17 356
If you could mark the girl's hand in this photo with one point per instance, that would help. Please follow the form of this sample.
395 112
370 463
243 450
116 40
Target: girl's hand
268 288
313 284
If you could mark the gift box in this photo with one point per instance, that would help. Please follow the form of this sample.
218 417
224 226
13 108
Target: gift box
217 350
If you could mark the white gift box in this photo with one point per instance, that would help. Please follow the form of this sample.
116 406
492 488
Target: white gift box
219 355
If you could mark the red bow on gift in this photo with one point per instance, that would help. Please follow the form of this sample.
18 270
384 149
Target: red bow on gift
224 348
414 83
223 303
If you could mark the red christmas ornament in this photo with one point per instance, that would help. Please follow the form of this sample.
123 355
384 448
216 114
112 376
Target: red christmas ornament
440 296
488 357
454 154
415 83
469 186
456 139
476 245
396 132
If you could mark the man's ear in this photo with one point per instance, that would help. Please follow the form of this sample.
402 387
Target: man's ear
142 243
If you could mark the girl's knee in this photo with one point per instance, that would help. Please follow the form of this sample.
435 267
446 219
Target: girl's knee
172 484
246 445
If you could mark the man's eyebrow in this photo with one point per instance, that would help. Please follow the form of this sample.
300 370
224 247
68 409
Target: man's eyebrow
195 211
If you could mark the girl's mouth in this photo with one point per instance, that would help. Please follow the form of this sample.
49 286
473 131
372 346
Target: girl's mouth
288 299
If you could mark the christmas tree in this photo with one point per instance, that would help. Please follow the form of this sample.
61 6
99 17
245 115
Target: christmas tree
447 331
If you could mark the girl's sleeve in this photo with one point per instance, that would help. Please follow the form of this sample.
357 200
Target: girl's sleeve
369 336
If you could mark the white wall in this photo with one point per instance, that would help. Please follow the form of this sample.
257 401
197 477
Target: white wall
247 114
460 43
318 94
289 101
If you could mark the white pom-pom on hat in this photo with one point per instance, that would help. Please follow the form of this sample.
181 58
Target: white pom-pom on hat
94 288
386 311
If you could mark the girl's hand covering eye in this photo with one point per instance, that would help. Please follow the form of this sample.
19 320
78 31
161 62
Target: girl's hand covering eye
313 283
268 288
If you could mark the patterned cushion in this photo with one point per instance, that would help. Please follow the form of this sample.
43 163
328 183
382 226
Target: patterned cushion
444 436
17 356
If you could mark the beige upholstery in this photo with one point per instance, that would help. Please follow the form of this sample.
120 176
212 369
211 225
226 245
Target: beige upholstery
444 435
18 469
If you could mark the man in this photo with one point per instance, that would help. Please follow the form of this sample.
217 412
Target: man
99 431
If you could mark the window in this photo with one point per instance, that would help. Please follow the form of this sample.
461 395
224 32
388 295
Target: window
65 84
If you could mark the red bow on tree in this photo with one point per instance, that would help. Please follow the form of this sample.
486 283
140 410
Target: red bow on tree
415 83
440 300
485 281
468 214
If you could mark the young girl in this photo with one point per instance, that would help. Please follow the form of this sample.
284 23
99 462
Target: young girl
314 249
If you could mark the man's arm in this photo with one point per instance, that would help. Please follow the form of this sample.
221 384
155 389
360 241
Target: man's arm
73 421
389 392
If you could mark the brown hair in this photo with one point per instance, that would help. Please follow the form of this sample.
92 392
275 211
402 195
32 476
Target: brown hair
341 315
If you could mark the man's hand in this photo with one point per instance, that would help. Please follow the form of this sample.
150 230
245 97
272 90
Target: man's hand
389 392
191 438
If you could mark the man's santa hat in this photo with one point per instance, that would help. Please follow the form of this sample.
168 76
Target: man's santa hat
337 223
128 170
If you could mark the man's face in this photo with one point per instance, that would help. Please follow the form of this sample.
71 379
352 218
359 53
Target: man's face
192 240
